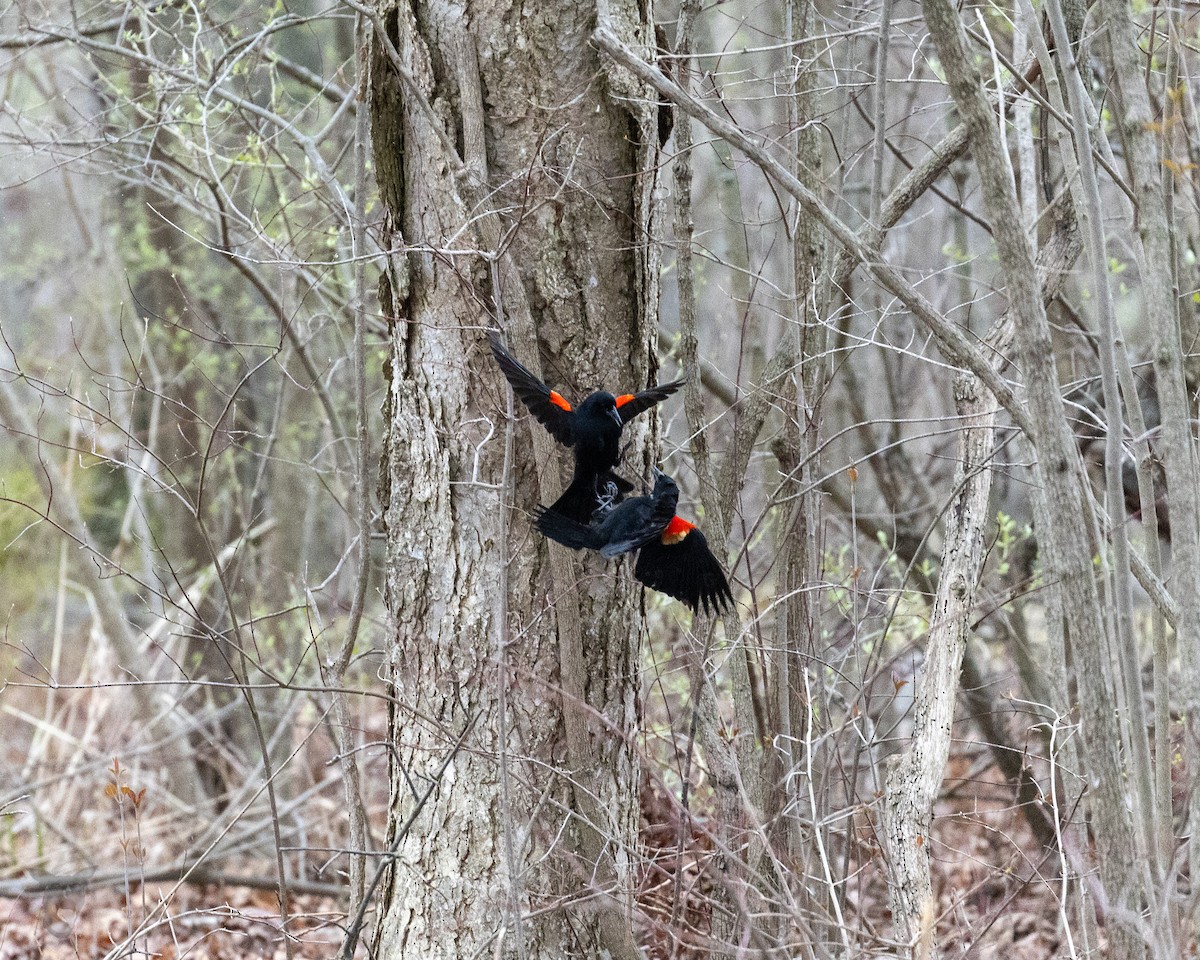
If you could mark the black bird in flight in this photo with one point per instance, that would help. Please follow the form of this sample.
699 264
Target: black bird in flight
592 430
674 558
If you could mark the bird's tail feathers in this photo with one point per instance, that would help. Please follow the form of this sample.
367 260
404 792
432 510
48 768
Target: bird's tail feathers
579 501
561 528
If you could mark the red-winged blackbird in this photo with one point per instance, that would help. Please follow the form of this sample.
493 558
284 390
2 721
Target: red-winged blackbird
592 430
674 557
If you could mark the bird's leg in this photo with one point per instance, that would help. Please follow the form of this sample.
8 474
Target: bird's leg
606 495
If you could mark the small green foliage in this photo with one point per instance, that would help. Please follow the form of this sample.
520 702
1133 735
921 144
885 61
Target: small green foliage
1009 535
999 21
103 491
887 581
20 502
954 252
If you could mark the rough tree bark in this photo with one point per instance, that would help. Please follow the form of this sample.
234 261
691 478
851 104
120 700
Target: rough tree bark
496 132
1067 544
915 777
1151 180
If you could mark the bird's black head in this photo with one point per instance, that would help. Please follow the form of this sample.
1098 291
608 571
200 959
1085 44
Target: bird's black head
664 486
600 404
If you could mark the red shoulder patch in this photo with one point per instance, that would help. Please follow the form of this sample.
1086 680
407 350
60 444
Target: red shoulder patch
624 399
557 399
676 530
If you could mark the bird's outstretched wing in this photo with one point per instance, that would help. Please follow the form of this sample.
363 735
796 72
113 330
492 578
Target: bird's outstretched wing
548 407
684 569
629 405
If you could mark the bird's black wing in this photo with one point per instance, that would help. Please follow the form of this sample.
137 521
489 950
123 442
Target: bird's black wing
633 539
629 405
687 571
548 407
641 520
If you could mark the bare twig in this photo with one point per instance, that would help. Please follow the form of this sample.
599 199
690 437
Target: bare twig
954 344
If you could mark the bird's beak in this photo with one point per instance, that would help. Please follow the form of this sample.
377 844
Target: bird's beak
616 416
656 473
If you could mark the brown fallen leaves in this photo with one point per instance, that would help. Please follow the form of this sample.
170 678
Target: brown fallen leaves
201 923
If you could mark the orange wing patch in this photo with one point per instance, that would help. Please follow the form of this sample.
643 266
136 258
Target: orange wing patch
676 530
557 399
624 399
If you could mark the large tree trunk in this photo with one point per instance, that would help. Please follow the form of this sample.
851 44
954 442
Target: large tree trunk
496 130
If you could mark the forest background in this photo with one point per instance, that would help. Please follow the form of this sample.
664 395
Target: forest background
285 671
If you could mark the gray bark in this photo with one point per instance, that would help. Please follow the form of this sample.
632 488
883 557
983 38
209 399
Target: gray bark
1067 545
802 725
1161 292
496 131
914 778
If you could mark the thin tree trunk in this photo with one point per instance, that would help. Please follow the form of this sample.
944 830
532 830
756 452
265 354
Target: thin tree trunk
1067 544
1161 295
802 724
914 778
